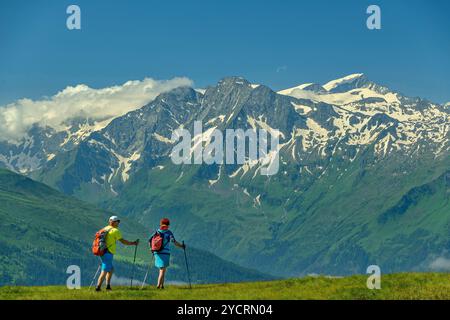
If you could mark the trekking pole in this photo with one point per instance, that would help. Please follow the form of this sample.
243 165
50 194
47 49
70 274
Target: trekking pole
146 274
95 276
134 263
187 266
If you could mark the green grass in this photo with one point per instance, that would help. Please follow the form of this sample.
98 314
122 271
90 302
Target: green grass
417 286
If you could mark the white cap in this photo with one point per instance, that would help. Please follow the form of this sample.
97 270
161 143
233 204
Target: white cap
114 218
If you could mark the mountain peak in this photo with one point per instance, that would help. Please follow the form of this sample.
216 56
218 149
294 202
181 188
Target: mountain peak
346 83
234 80
176 94
306 87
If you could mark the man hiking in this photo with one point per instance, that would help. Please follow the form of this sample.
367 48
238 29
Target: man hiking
162 254
113 235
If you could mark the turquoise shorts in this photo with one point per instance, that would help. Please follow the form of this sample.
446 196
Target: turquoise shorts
162 260
107 262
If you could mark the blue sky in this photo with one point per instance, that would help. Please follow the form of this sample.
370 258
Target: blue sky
277 43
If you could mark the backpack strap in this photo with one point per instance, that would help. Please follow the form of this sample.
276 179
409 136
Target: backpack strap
151 237
107 231
164 238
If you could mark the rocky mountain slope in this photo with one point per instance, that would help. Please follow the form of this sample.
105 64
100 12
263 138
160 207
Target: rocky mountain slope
363 178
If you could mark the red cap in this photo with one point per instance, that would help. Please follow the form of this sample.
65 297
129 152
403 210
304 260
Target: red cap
164 222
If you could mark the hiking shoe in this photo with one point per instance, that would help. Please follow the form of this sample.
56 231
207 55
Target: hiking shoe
98 289
108 287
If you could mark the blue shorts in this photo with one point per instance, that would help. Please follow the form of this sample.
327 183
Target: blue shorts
162 260
107 262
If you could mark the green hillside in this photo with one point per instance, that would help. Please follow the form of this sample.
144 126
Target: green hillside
395 286
395 216
43 232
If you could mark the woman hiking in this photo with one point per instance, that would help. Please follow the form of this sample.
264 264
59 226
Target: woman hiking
162 255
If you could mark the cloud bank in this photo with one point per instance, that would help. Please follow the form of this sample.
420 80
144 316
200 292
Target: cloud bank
97 104
440 264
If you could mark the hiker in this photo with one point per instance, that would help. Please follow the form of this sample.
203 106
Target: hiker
162 254
113 235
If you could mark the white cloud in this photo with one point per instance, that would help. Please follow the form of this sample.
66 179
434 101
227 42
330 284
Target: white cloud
98 104
440 264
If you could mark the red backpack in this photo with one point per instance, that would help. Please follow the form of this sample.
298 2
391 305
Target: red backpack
99 245
157 242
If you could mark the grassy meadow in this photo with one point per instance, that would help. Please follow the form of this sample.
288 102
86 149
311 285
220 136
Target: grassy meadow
416 286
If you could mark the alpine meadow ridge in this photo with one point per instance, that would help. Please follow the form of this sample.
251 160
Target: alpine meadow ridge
364 175
43 232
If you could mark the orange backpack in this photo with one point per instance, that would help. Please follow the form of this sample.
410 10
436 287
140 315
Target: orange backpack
157 242
99 245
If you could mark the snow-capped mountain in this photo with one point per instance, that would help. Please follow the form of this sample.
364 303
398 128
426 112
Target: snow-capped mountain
356 160
358 110
41 145
352 100
32 132
357 99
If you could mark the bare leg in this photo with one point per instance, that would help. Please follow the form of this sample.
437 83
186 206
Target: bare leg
162 273
163 277
101 278
160 278
108 277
